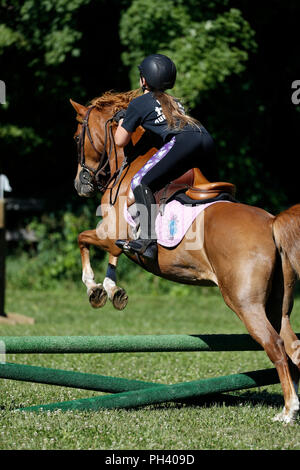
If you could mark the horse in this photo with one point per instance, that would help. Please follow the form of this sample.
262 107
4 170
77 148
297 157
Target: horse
250 254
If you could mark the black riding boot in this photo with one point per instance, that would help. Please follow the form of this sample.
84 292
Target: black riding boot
146 244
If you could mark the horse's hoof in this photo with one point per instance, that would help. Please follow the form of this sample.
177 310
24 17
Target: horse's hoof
119 299
285 418
97 296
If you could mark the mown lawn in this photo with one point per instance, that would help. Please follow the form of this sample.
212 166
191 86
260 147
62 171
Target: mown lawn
242 423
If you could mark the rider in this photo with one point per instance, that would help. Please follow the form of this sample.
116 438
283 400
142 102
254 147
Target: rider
185 142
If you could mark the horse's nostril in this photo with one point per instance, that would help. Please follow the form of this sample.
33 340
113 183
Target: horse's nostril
85 177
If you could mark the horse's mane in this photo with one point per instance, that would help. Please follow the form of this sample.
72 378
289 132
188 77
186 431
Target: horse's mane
115 100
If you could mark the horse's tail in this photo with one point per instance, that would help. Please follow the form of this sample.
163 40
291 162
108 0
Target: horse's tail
286 232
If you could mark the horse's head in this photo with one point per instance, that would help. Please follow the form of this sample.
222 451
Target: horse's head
93 165
99 160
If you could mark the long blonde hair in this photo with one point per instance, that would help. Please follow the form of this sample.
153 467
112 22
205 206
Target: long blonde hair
174 111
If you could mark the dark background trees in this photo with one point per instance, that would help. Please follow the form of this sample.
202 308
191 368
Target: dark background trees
236 62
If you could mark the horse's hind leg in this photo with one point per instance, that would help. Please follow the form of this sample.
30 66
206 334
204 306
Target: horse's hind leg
292 347
262 331
291 342
249 303
282 298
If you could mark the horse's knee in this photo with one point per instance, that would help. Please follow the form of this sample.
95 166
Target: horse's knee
295 354
259 327
278 350
84 239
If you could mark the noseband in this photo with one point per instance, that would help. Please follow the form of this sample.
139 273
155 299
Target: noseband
88 175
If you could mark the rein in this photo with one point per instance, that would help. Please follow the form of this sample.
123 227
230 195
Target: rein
90 176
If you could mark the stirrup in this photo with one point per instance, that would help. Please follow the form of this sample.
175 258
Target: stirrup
146 248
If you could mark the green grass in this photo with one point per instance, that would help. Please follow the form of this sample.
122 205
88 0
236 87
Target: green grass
244 423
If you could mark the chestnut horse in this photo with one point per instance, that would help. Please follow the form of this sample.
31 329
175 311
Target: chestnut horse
251 255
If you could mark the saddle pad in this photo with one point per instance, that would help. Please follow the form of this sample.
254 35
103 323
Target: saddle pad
177 218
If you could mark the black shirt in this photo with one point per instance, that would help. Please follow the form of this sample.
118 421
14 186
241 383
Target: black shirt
146 111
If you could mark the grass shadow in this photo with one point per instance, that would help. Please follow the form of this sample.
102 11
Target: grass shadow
224 399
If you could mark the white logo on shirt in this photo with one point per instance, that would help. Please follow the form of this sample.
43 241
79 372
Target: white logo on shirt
161 117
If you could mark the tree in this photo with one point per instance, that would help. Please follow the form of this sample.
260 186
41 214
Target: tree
235 70
207 45
50 51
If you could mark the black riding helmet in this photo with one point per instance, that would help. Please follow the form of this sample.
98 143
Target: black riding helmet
159 71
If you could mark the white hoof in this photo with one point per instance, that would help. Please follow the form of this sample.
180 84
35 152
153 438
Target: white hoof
286 417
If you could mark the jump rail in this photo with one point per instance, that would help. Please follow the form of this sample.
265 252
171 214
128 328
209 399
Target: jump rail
128 393
129 343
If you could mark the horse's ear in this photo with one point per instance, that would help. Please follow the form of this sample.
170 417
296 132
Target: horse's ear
79 108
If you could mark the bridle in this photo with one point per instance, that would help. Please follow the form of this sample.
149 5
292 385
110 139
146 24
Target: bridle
91 176
88 175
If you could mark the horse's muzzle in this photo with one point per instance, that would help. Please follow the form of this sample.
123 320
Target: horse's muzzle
84 187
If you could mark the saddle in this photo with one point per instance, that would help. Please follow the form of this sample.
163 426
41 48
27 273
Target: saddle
195 186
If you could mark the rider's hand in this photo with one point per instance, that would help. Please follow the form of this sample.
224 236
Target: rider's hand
119 115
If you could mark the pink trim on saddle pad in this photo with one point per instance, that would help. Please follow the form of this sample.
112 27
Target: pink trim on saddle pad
177 218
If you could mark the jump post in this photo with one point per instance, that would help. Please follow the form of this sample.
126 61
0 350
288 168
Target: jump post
126 393
6 318
2 255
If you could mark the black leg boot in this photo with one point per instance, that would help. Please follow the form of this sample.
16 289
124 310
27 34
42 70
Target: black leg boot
146 244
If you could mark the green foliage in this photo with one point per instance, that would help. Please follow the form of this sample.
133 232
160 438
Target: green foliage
48 26
26 136
206 51
56 256
57 250
9 37
53 50
64 40
43 34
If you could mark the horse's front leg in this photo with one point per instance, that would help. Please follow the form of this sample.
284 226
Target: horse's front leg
96 292
99 293
117 295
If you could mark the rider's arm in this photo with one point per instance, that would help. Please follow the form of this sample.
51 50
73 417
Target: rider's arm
128 125
122 136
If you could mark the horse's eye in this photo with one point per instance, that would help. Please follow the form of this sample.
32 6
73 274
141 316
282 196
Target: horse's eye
76 138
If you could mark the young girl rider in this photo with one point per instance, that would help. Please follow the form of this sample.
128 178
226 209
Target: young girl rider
185 142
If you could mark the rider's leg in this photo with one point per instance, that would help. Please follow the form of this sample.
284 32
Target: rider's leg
146 207
145 244
190 150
